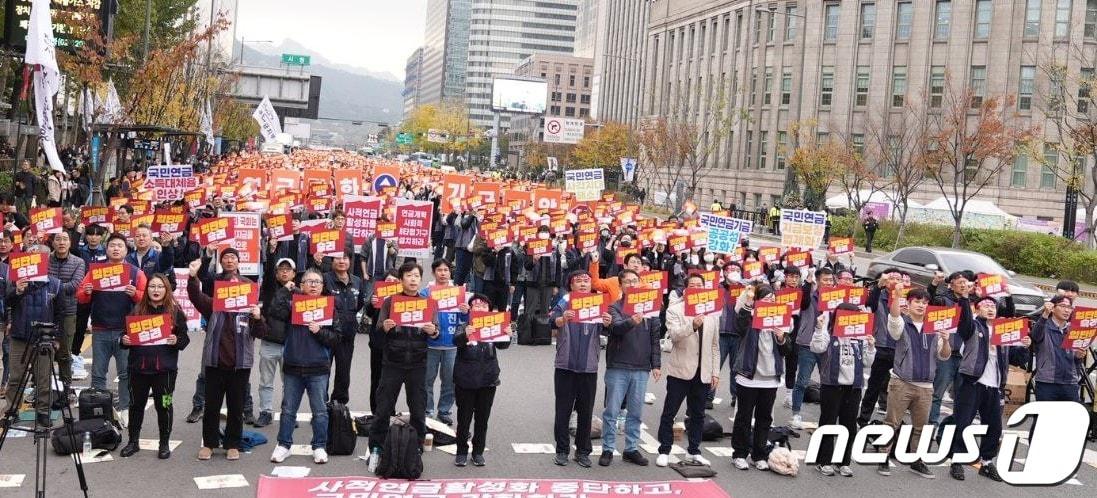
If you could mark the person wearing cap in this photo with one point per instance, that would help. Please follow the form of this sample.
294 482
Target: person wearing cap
961 285
575 380
108 320
279 299
475 376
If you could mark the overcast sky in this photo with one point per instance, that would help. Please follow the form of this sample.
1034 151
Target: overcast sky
378 35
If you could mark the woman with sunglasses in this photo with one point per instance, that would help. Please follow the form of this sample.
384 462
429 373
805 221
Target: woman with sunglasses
153 367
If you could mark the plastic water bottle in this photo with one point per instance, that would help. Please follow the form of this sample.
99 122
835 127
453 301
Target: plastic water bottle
87 443
374 460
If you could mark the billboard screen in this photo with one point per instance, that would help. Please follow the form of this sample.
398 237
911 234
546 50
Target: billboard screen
519 96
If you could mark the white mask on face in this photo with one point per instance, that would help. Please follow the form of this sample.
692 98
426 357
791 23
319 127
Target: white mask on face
693 259
734 276
709 257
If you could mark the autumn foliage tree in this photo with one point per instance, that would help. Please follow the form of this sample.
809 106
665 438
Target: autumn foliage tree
897 143
605 146
451 119
816 163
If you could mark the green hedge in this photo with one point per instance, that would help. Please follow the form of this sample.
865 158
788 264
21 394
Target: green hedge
1026 253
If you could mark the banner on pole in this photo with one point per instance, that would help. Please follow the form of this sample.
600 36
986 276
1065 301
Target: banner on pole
586 184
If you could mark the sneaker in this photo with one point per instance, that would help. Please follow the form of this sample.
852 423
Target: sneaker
826 470
956 471
662 460
761 465
740 463
605 459
583 461
280 454
561 459
461 460
990 471
249 418
319 456
883 469
797 421
635 457
920 468
445 419
478 460
846 471
708 405
232 454
205 453
195 415
700 460
265 419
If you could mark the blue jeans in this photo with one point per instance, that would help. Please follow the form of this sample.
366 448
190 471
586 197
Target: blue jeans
104 346
463 266
293 387
1046 391
475 283
270 366
805 363
946 376
628 386
445 359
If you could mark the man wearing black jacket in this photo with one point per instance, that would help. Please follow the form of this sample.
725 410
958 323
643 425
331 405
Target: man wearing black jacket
278 296
350 297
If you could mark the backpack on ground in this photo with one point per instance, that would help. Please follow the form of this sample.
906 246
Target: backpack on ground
362 425
711 430
542 330
812 394
341 435
104 436
400 457
96 404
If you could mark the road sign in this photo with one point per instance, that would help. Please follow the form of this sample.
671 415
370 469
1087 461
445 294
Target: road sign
383 181
563 130
437 136
296 60
403 138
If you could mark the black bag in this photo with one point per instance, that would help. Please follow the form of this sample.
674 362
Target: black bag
341 435
104 436
693 470
711 430
812 393
96 404
400 457
441 438
542 330
362 425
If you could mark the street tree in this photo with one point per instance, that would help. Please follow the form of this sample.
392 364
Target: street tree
605 146
450 120
817 161
896 142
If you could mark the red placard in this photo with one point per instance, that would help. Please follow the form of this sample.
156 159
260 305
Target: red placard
1008 331
539 247
362 214
623 253
488 326
309 309
110 277
1084 318
839 246
234 297
654 279
752 270
384 289
46 220
319 205
33 266
212 231
448 297
698 240
678 243
798 259
195 198
699 302
1079 338
992 285
588 241
411 311
642 301
940 318
853 324
331 242
588 307
732 292
831 297
771 315
711 277
148 330
498 238
791 296
94 215
348 182
386 230
169 221
413 223
855 295
768 254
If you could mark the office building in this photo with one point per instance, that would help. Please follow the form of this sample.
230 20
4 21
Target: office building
412 78
621 32
444 52
569 87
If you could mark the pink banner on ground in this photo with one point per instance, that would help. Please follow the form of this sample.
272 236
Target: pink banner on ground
346 487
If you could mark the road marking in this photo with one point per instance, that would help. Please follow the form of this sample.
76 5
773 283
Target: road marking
154 444
533 448
11 480
221 481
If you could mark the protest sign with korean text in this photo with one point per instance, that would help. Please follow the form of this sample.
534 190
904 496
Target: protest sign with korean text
802 228
369 487
488 326
110 277
1079 338
1008 331
384 289
246 230
586 184
724 232
831 297
588 308
447 297
312 309
362 214
642 301
699 302
330 242
410 311
148 330
654 279
992 285
752 270
413 224
32 266
46 220
1084 317
769 254
791 296
234 297
840 245
941 318
170 183
280 227
94 215
167 221
771 315
213 231
853 324
855 294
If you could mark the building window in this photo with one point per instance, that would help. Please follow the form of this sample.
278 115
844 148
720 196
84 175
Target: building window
554 110
753 86
858 140
556 96
771 28
738 29
584 112
556 79
786 86
898 86
1083 90
943 20
826 86
570 98
1051 165
905 19
763 144
1032 18
984 13
1062 19
978 85
757 201
868 20
936 86
584 99
1019 178
571 80
790 22
830 29
569 112
1027 84
757 26
748 157
726 35
782 148
586 81
1091 19
861 97
767 87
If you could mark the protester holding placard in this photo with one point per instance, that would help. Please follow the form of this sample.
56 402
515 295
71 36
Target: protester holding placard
32 301
960 286
580 318
153 367
69 270
476 376
611 286
880 375
451 311
92 250
149 259
1056 375
758 368
982 375
499 272
916 355
405 360
542 283
227 357
108 313
467 226
271 346
350 296
306 367
806 358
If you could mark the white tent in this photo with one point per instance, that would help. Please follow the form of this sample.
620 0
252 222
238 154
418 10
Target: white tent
842 200
978 213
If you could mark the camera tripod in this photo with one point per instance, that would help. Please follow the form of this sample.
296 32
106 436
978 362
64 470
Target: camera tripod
42 349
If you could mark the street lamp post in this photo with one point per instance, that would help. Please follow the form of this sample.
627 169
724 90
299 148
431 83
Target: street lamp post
244 42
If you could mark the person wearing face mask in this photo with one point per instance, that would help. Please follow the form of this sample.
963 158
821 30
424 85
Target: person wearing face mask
605 250
278 299
729 334
961 285
542 284
476 377
708 261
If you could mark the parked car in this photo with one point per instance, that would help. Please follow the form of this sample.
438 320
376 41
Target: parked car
923 262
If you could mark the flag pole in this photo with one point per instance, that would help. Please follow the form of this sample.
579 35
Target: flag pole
20 138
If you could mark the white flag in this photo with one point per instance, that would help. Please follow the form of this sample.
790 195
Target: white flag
268 120
207 123
87 96
47 79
